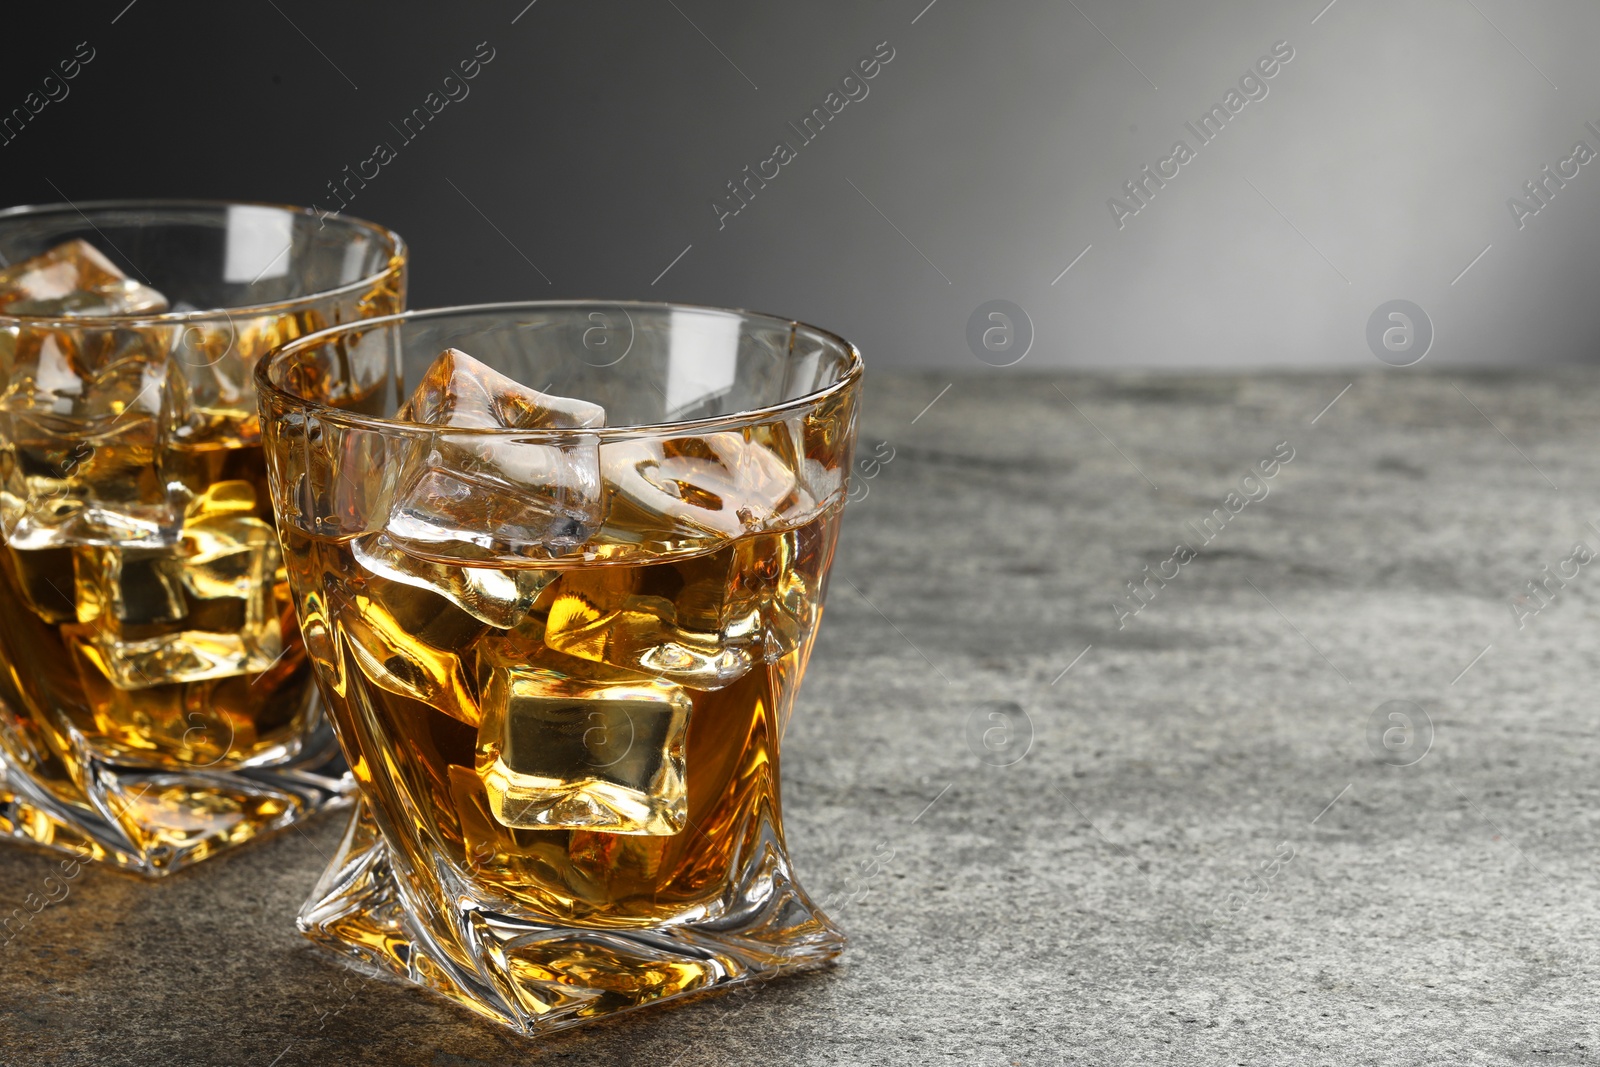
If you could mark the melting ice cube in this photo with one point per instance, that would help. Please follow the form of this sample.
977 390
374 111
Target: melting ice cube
467 495
716 484
561 752
668 619
79 411
775 593
203 609
406 620
461 391
74 278
408 654
701 621
497 597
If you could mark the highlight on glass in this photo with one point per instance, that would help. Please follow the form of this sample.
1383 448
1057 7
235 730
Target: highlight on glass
156 703
559 568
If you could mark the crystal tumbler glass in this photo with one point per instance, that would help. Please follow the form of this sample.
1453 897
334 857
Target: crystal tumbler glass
156 704
559 567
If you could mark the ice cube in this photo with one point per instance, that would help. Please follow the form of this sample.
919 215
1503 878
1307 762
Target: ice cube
559 752
775 593
231 556
201 610
211 359
495 596
466 495
186 720
185 656
665 619
406 636
129 587
232 496
74 278
716 485
701 621
81 460
461 391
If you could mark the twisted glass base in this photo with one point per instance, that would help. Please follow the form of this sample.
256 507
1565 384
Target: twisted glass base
154 822
541 977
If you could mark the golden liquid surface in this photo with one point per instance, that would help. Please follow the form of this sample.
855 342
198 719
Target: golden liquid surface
592 743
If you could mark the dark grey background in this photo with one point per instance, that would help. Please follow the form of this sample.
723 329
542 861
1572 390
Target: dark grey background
587 155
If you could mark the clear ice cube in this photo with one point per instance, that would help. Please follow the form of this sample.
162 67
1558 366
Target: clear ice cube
74 278
179 718
775 593
461 391
402 633
466 495
129 587
700 621
203 609
666 619
717 485
497 597
79 410
214 356
82 459
563 752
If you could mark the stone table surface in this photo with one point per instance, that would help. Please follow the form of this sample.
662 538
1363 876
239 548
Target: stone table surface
1328 796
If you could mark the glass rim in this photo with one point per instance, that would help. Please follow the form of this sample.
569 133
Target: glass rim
396 243
849 378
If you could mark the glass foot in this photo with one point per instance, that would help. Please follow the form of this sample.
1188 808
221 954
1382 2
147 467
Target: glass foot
541 977
153 822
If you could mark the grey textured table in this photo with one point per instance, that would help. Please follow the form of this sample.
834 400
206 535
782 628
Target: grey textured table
1205 842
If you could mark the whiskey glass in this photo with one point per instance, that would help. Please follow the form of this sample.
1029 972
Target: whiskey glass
156 704
559 567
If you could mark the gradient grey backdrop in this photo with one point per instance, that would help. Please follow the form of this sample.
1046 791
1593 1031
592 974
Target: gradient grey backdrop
588 154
